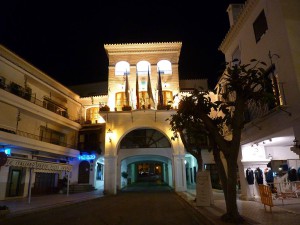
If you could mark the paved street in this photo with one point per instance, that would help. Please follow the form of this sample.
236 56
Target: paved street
128 208
144 203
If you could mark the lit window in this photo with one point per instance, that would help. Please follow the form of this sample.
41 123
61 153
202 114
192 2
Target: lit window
142 67
164 66
121 68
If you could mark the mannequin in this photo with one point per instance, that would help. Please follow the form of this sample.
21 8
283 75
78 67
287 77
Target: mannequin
292 174
249 176
270 179
250 180
259 176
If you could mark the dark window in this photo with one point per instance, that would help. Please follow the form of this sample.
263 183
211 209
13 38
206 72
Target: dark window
52 136
89 140
260 26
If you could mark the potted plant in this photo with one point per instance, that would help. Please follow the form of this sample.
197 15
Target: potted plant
4 210
104 108
162 107
124 175
126 108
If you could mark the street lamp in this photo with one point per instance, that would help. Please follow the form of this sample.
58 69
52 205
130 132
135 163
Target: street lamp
296 143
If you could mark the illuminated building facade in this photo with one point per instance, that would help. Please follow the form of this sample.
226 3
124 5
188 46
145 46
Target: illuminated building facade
48 133
269 31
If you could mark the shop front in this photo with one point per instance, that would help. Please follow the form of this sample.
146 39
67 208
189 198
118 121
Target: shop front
26 177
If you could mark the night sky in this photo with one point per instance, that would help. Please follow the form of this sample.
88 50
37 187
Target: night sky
65 39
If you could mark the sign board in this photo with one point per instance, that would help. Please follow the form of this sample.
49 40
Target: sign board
204 194
38 165
266 195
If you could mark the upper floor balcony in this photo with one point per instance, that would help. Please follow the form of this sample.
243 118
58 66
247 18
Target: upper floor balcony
55 144
277 102
46 102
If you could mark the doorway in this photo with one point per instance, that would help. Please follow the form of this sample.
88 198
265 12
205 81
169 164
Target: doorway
84 172
14 183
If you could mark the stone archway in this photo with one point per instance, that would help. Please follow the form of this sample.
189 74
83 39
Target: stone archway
145 141
146 149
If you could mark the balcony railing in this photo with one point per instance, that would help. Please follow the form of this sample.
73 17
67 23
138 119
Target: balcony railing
25 93
255 111
36 137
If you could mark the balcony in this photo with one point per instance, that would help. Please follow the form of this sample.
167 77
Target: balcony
255 111
36 137
46 103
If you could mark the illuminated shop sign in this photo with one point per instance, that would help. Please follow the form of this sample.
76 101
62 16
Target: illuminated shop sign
87 157
6 151
38 165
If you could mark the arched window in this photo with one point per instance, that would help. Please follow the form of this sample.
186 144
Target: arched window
121 68
142 68
164 66
145 138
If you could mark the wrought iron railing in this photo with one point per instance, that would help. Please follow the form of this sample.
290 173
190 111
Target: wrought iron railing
25 93
255 110
34 136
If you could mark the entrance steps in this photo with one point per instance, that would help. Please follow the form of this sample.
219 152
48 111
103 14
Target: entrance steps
78 188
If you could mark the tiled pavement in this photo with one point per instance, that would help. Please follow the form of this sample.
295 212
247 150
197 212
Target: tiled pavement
283 213
253 211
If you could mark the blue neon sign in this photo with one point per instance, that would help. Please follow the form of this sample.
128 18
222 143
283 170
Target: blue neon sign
86 157
7 151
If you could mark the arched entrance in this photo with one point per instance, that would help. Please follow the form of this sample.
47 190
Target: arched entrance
146 170
145 156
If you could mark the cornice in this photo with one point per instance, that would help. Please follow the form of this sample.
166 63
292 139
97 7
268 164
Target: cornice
152 47
235 29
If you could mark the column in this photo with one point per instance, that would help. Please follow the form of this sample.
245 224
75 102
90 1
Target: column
179 173
110 175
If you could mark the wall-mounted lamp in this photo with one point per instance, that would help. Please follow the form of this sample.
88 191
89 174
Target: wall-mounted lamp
270 157
296 143
109 133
